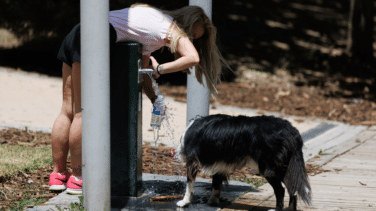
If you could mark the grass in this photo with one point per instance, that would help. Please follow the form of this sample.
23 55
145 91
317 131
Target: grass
74 206
257 182
28 199
19 158
14 159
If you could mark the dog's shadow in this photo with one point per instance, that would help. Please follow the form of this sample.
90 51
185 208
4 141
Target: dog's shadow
229 193
253 207
202 193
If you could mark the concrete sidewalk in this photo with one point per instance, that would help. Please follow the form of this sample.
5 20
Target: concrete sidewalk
34 101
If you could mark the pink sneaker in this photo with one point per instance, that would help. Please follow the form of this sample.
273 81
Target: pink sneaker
74 185
58 181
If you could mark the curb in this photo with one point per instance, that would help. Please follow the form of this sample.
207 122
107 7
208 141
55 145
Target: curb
23 127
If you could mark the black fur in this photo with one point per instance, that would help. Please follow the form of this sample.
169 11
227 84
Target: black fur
273 143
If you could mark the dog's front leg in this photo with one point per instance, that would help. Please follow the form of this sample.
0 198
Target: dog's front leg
188 194
192 170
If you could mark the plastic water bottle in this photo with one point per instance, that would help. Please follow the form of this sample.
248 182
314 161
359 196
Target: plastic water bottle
158 112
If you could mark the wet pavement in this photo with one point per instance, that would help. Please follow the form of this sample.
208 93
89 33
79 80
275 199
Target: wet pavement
160 185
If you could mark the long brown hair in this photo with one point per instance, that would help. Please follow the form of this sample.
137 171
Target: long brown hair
211 59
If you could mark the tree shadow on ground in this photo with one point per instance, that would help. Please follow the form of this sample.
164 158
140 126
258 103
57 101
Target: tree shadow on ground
306 38
37 55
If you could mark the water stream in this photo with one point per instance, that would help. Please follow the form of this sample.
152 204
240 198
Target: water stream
166 122
156 120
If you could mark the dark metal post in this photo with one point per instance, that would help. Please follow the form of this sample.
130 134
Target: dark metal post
126 119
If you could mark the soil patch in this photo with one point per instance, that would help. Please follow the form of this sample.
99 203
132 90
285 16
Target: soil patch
292 95
34 184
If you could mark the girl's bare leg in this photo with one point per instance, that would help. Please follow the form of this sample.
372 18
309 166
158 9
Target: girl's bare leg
61 127
75 133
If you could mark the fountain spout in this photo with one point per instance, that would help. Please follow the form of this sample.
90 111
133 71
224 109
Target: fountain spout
149 72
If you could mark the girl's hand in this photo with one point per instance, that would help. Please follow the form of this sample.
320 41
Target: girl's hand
186 71
155 65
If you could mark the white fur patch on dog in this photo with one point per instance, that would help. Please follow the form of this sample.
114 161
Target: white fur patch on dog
225 168
179 150
190 124
254 166
188 195
183 203
308 192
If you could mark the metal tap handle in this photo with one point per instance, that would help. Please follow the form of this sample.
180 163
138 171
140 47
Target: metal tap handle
149 72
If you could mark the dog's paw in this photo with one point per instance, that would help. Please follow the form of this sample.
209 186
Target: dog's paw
183 203
213 201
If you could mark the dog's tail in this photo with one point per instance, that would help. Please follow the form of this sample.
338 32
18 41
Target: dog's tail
296 178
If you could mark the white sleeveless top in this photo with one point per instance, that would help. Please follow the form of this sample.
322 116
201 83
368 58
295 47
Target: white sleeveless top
141 24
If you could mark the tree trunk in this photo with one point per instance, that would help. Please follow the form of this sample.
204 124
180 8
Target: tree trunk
360 30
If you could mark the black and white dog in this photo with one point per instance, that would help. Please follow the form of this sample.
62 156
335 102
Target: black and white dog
219 144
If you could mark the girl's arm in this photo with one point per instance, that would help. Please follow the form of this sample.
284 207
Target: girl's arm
147 84
189 58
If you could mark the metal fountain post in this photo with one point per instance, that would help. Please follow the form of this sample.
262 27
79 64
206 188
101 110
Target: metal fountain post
198 96
95 87
112 120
